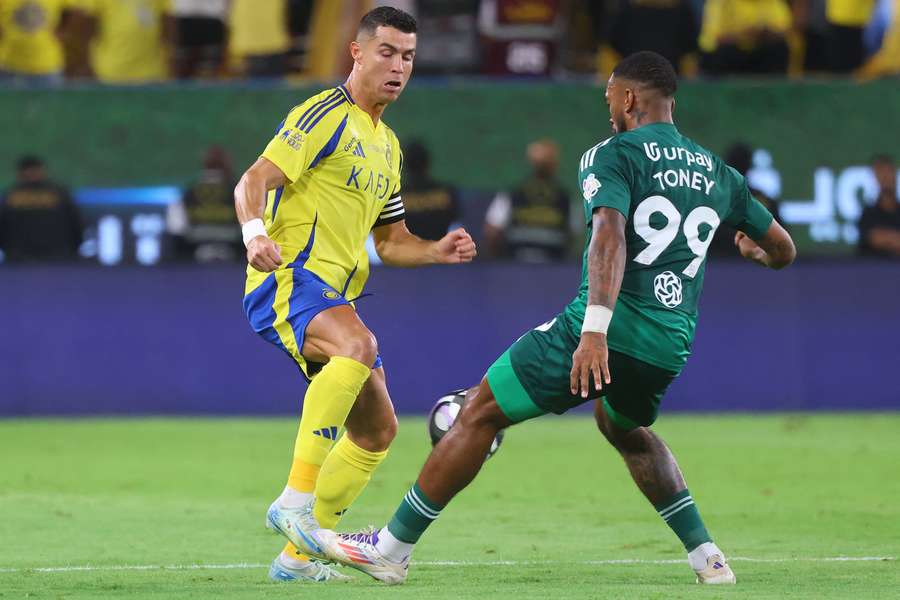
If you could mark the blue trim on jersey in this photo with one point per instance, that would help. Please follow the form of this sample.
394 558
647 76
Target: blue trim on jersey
346 93
332 144
304 254
278 192
259 311
349 279
280 126
317 106
309 125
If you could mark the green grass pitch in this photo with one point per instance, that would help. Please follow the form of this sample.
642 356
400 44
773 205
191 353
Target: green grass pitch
783 495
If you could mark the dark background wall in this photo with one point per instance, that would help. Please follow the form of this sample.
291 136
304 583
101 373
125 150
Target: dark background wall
147 136
174 340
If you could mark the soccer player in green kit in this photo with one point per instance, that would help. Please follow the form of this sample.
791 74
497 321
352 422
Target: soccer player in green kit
653 201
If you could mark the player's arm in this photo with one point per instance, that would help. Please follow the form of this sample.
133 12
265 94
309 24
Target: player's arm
250 204
774 250
606 267
398 247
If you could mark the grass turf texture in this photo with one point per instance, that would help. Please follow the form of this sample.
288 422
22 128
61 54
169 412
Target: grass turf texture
108 493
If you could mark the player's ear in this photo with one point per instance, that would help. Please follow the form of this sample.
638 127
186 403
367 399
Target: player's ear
630 100
355 50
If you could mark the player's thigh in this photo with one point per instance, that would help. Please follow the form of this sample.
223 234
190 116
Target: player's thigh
531 378
372 424
306 318
338 331
632 399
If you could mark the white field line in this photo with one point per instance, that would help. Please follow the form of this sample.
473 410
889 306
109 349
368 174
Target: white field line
444 563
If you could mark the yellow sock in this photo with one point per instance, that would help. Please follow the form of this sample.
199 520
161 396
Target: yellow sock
325 408
344 474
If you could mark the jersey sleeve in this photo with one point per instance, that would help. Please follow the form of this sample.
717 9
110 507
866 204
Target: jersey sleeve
604 179
748 214
308 134
394 210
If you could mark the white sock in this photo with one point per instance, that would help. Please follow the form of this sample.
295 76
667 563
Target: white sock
699 555
291 498
392 548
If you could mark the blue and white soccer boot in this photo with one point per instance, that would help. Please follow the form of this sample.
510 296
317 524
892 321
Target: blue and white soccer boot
300 527
359 551
284 570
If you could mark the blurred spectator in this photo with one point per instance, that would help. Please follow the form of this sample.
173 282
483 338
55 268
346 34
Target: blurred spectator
431 206
299 20
745 37
740 156
38 219
879 225
203 224
886 61
531 222
129 40
30 49
812 26
259 37
667 27
847 20
199 37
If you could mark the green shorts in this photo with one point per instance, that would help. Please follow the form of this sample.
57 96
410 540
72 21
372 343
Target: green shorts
532 378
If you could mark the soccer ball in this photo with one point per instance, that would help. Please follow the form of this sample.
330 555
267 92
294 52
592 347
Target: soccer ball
444 414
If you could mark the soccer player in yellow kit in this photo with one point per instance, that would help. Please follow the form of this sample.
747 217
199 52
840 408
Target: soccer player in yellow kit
329 177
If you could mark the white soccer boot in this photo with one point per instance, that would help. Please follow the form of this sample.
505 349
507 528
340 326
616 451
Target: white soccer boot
358 551
300 527
296 570
717 572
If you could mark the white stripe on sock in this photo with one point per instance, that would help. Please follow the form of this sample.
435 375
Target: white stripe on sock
677 510
420 507
664 512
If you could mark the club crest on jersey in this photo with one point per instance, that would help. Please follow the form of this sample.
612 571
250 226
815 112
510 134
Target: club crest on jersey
330 294
389 155
293 138
667 287
590 187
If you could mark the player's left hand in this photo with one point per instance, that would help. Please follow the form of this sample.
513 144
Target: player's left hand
590 358
455 247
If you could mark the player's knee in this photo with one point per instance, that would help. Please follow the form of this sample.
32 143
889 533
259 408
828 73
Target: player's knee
360 346
481 410
622 440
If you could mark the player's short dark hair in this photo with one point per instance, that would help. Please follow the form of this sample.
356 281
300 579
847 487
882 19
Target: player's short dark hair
29 162
649 69
387 16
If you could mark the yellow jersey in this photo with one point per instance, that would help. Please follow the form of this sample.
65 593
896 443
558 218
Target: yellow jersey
129 45
731 17
28 41
849 13
344 179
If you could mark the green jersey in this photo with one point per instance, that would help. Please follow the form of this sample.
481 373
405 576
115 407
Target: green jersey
674 194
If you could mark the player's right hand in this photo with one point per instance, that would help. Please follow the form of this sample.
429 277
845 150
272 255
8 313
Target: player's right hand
263 254
591 358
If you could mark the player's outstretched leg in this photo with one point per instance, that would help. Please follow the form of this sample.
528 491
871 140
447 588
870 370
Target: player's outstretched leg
371 427
451 466
655 471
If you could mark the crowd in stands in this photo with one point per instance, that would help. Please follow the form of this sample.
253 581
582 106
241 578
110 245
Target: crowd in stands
147 41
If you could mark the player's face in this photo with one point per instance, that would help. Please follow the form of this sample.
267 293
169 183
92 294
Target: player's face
615 100
385 63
